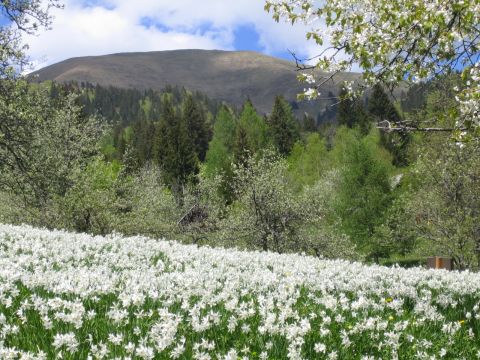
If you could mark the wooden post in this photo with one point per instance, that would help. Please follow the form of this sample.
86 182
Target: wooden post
440 262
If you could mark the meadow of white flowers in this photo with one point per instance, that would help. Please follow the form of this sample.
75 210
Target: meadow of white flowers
75 296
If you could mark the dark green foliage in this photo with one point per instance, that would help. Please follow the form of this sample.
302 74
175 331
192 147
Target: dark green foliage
405 263
308 123
142 143
173 150
242 149
198 129
283 127
351 113
380 106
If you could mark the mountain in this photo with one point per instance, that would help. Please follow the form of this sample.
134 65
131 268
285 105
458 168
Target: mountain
230 76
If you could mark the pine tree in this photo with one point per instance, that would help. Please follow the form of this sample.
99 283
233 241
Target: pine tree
282 126
380 106
198 129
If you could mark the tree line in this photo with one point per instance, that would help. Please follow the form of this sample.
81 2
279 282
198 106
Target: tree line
234 177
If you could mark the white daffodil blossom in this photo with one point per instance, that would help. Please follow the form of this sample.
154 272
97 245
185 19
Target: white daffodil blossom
107 298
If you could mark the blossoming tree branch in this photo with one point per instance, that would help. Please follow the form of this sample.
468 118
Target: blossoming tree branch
392 42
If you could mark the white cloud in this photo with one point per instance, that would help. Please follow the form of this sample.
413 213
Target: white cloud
116 26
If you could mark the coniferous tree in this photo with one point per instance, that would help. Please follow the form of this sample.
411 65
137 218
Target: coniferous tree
351 113
364 191
254 129
143 138
174 152
198 129
220 148
282 126
346 110
380 106
309 123
219 156
242 148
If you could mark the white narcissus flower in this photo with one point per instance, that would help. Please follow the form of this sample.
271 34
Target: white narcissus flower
303 300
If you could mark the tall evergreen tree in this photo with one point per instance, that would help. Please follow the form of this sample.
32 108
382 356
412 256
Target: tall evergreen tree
351 113
308 123
143 138
196 119
173 149
380 106
282 126
242 149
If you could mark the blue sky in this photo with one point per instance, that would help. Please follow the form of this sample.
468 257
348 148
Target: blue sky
96 27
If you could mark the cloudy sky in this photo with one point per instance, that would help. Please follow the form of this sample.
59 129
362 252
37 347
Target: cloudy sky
96 27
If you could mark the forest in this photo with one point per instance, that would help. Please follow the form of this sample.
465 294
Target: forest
376 178
178 165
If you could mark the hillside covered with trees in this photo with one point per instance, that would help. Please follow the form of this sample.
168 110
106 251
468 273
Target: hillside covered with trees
176 164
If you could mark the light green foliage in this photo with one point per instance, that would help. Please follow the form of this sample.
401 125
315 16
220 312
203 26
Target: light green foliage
364 190
220 149
267 215
252 131
145 205
219 156
444 211
310 161
322 235
41 142
90 204
394 41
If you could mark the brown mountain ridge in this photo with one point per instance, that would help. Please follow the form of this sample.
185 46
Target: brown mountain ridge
230 76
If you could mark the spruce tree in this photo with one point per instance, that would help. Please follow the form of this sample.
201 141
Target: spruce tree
380 106
282 126
242 148
346 110
309 123
174 152
198 129
351 113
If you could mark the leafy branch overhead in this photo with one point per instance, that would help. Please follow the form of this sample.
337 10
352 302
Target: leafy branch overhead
395 41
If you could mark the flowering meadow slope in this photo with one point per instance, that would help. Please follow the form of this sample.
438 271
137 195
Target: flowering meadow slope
74 296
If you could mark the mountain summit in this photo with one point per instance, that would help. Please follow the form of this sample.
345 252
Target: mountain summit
230 76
